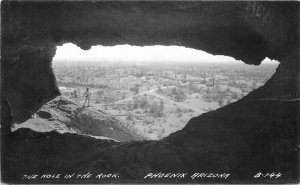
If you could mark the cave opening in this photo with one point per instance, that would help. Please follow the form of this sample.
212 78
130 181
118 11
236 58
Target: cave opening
153 90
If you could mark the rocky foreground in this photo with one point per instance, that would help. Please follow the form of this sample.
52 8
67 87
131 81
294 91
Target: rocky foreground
241 139
66 116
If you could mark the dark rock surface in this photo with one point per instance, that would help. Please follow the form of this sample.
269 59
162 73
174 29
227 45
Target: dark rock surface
44 114
249 31
255 134
244 143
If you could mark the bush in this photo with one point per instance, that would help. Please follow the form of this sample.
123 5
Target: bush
135 89
147 122
135 103
193 88
159 91
206 97
232 83
129 116
141 103
156 110
180 95
234 95
144 104
220 101
98 100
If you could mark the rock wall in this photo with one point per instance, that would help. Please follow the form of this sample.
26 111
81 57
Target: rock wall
249 31
242 138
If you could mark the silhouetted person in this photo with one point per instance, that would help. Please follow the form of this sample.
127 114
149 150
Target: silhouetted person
87 94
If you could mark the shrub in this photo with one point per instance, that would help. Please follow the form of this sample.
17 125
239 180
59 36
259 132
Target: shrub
180 95
234 95
147 122
232 83
135 89
159 90
179 115
156 110
220 101
178 109
206 97
129 116
144 103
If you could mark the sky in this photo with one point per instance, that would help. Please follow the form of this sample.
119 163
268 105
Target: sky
126 53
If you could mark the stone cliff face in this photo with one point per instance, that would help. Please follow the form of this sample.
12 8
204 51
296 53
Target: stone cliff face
249 31
255 134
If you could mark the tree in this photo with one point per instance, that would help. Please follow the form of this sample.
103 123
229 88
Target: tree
184 78
204 76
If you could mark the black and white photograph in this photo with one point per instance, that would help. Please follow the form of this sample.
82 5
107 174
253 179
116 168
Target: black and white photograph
150 92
